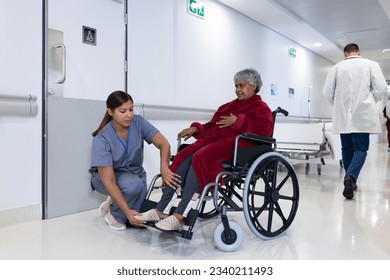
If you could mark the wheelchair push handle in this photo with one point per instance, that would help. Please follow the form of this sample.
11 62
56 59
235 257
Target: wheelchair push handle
281 110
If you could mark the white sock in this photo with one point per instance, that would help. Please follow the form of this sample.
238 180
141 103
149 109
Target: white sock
190 204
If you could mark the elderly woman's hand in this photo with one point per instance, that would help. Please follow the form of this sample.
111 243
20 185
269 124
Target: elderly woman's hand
187 133
227 121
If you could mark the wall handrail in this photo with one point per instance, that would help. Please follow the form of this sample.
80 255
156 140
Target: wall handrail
23 105
163 112
302 119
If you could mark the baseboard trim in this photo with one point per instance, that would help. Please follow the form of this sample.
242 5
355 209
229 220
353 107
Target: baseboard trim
20 215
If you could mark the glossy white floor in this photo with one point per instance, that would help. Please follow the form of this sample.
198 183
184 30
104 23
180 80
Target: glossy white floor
327 227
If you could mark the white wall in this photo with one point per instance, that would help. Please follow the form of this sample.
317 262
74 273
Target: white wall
175 59
192 62
20 73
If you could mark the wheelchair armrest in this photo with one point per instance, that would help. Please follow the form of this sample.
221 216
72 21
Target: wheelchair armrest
257 138
262 143
180 147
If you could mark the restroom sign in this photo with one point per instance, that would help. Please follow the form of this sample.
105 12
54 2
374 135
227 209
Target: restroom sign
89 35
196 8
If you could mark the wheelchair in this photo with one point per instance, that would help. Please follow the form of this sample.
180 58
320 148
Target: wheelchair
259 182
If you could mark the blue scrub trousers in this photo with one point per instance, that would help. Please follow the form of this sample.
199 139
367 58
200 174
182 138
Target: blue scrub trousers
354 147
133 189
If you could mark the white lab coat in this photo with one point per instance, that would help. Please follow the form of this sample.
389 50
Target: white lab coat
354 86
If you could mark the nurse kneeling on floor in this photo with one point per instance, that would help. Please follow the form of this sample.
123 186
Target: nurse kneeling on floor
117 159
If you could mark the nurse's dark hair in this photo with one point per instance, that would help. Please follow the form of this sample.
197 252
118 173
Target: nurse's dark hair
114 100
251 76
352 47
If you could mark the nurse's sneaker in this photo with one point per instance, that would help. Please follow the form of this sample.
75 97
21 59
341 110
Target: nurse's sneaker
112 223
103 208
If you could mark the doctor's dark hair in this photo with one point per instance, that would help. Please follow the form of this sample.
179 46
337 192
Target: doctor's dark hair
114 100
251 76
352 47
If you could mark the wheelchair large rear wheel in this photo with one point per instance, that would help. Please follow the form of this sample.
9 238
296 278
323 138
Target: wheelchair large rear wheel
271 196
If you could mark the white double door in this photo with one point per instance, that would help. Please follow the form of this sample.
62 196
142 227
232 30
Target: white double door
85 62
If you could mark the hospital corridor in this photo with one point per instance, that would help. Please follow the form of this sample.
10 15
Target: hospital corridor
327 227
96 97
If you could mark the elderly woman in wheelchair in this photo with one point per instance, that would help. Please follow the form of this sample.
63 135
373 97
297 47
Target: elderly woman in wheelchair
200 162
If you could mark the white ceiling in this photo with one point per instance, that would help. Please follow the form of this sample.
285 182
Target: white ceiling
334 23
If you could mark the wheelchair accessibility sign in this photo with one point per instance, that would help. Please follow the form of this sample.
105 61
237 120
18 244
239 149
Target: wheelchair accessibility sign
196 8
89 35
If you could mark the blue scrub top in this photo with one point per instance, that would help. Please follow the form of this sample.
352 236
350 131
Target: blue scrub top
108 150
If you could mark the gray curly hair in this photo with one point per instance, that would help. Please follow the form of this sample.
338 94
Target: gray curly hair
251 76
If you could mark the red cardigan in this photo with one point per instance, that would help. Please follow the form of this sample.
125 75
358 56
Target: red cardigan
215 145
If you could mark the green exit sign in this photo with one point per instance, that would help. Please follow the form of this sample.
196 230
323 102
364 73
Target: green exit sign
196 8
292 52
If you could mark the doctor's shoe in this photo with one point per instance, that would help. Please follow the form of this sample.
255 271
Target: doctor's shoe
112 223
349 187
103 208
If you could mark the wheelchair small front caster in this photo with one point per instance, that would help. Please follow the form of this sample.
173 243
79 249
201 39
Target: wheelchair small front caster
228 240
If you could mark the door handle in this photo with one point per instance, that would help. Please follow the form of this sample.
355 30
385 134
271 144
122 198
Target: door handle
62 46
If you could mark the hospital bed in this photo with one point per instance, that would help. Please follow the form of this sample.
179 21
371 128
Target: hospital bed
303 141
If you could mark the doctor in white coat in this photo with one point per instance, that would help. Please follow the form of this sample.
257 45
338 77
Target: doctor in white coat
354 86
